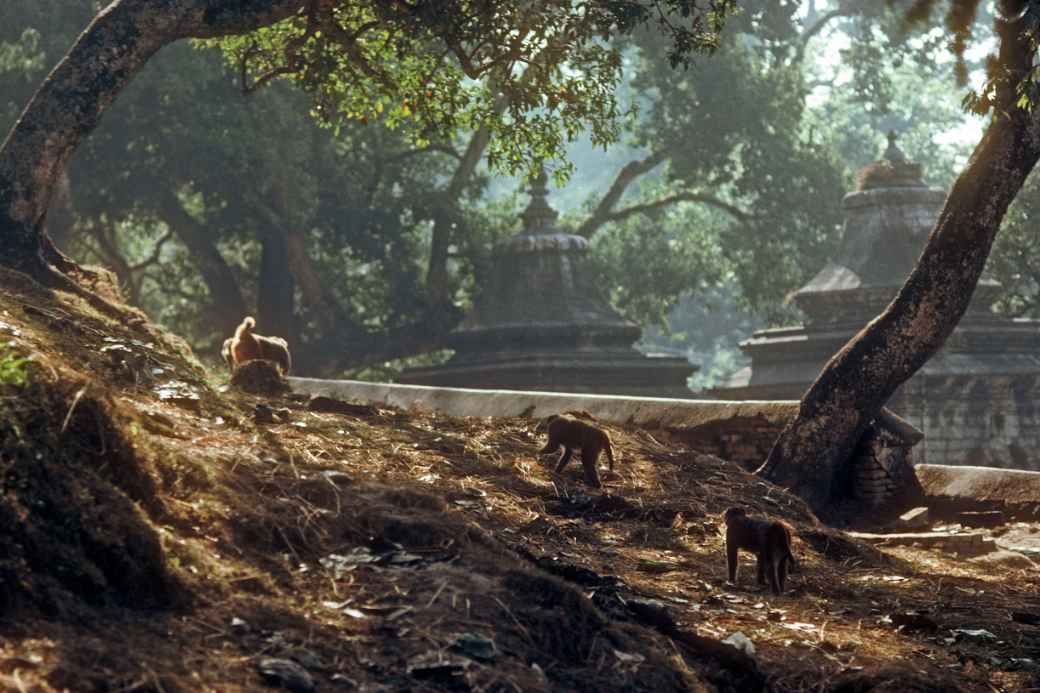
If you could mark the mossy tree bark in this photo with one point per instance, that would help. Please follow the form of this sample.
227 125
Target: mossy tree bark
811 452
70 102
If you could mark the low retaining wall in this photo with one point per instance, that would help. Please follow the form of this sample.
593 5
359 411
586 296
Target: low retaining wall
739 431
953 489
652 412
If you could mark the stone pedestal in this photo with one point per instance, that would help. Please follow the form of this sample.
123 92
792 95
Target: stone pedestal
539 325
976 400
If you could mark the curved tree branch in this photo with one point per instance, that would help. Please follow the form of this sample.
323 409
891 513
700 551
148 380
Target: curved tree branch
846 9
668 200
625 177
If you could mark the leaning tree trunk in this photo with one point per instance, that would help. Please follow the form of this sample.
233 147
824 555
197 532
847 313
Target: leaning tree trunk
71 100
854 385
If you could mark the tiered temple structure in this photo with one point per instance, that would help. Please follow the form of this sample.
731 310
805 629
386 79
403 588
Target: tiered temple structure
977 400
539 325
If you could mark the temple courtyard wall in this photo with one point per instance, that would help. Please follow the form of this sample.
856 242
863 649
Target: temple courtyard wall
987 421
742 432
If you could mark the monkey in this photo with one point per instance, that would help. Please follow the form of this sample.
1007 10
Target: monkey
769 540
246 346
571 434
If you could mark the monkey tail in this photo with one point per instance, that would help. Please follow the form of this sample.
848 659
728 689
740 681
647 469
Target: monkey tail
248 323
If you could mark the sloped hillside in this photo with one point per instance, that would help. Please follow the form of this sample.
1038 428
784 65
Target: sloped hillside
158 535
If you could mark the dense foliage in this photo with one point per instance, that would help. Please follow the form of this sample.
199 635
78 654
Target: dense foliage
251 173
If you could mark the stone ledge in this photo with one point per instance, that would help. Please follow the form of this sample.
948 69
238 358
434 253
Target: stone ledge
652 412
966 542
1010 486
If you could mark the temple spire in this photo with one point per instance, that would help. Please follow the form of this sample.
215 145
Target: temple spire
539 217
893 153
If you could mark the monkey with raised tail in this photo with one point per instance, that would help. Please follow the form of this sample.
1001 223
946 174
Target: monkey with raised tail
769 540
247 346
573 434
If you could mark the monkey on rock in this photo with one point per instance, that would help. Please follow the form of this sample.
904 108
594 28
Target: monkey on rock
247 346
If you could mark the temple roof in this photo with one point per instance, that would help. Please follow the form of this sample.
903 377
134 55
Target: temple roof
887 220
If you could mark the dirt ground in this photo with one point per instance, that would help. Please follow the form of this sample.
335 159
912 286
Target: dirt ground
157 534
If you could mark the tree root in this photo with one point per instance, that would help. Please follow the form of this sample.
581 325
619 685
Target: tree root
60 278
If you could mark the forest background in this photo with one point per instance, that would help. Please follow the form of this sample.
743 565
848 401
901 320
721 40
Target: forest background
212 197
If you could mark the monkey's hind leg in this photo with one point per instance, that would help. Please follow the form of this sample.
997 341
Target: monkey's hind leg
761 559
785 563
588 461
776 582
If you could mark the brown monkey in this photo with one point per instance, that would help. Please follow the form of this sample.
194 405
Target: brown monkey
247 346
571 434
769 540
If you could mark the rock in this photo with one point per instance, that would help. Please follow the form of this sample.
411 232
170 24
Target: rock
285 673
330 405
914 519
181 394
475 646
437 667
976 634
259 377
914 620
306 658
263 414
741 642
337 477
989 518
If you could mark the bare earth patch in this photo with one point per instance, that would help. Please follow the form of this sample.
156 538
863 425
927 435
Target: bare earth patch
156 537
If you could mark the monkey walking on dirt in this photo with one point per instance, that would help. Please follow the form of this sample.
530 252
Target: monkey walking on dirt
769 540
247 346
571 434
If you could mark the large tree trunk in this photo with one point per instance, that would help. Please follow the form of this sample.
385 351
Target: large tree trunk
812 451
70 102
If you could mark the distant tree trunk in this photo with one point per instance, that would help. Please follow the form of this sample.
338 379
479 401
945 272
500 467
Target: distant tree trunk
848 394
227 307
438 288
276 292
70 102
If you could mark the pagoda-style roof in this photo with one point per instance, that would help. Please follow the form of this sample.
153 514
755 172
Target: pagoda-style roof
541 323
887 221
